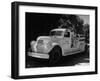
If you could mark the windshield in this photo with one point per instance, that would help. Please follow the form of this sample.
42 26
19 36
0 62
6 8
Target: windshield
56 33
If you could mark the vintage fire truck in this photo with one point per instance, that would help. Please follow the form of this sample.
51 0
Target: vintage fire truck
60 42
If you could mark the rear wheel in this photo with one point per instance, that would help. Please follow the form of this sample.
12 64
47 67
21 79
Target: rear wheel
55 55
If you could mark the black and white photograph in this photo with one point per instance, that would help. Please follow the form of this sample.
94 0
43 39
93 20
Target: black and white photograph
51 40
56 40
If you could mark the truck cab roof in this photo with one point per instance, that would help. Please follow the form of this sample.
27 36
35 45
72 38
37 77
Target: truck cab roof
59 29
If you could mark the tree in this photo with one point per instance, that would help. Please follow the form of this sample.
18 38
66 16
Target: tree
86 32
72 22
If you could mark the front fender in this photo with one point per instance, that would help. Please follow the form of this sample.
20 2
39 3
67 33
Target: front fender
32 44
48 48
53 45
56 44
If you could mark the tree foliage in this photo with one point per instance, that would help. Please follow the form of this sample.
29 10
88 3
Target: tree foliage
86 32
72 22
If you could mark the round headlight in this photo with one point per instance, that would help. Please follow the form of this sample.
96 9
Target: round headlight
32 45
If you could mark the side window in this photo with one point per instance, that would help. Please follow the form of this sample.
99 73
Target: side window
67 34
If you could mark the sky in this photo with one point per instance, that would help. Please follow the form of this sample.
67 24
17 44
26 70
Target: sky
85 18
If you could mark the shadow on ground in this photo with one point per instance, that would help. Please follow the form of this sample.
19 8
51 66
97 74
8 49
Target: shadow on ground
71 60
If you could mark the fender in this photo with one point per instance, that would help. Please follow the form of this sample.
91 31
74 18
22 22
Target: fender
56 44
33 44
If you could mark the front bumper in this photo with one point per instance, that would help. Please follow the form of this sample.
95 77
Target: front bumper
38 55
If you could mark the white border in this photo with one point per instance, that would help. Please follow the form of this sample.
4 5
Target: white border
52 70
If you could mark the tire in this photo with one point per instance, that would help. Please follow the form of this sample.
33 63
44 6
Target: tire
55 55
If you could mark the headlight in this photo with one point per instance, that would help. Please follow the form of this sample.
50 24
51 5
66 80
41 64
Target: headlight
48 45
33 43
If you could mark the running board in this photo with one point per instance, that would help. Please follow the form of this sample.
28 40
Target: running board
73 52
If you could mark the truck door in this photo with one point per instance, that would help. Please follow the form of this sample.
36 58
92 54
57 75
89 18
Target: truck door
74 41
66 41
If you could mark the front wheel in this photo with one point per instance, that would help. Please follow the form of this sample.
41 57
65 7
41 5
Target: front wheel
55 55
